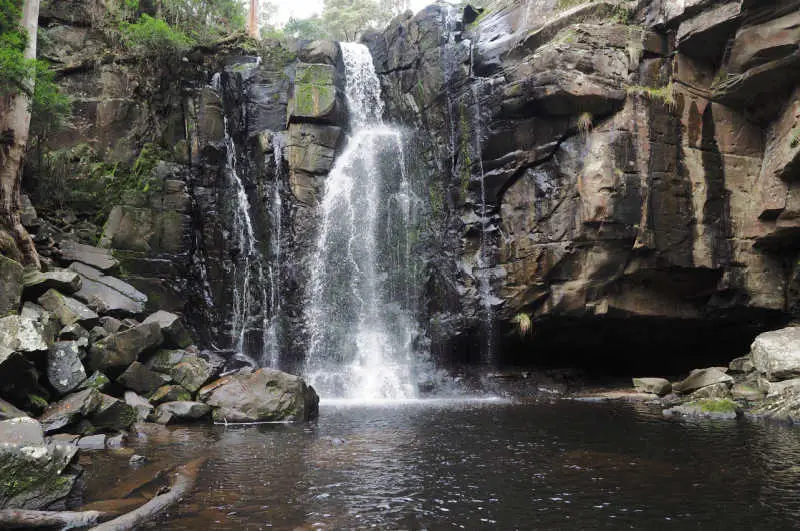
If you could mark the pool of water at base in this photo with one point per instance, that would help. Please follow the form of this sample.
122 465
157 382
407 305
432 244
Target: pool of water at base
479 464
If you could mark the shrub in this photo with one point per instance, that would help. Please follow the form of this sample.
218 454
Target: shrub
154 37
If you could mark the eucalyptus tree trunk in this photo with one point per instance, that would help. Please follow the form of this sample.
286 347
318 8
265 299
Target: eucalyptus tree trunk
252 19
15 121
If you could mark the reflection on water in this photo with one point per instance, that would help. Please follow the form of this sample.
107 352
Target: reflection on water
478 465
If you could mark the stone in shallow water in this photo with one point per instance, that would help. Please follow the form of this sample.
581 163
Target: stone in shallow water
69 410
265 395
657 386
710 408
170 393
32 474
170 412
113 414
700 378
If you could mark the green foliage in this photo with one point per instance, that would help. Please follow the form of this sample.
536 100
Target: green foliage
524 323
716 405
345 20
585 123
77 178
795 142
567 4
151 36
205 21
50 109
665 94
309 28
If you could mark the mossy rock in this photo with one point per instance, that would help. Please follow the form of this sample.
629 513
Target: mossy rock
315 95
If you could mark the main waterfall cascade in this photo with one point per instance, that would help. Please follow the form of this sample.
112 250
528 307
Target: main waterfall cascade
362 291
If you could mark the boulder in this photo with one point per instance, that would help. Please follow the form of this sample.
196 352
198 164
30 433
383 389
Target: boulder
96 257
97 380
189 370
776 354
700 378
92 442
11 282
8 411
65 371
141 379
24 334
37 282
117 351
110 324
106 294
34 475
66 309
315 97
265 395
743 391
779 388
69 410
74 332
170 393
169 412
783 407
711 408
18 376
113 414
715 391
141 405
741 365
23 431
175 333
656 386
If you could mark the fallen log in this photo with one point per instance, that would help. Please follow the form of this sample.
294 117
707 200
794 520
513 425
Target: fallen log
182 481
22 519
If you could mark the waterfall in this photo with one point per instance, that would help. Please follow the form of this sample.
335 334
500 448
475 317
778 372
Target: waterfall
361 291
272 323
248 267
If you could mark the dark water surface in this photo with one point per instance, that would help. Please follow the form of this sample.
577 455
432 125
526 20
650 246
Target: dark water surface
479 465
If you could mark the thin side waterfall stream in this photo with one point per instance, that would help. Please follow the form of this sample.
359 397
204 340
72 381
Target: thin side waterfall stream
358 299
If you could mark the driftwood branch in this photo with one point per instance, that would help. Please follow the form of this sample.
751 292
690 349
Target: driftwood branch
22 519
182 481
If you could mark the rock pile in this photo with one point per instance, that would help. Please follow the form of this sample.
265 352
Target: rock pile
765 383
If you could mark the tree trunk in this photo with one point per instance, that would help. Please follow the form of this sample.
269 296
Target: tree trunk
15 121
252 19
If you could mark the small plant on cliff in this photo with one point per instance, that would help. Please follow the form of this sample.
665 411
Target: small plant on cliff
585 123
154 37
795 139
523 322
665 95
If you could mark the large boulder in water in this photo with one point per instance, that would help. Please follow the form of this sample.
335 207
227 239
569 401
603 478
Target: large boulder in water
776 354
33 475
265 395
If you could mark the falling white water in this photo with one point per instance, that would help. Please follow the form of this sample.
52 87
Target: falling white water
272 323
357 308
483 270
249 261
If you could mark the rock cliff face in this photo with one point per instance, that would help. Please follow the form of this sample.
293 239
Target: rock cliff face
599 175
621 168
